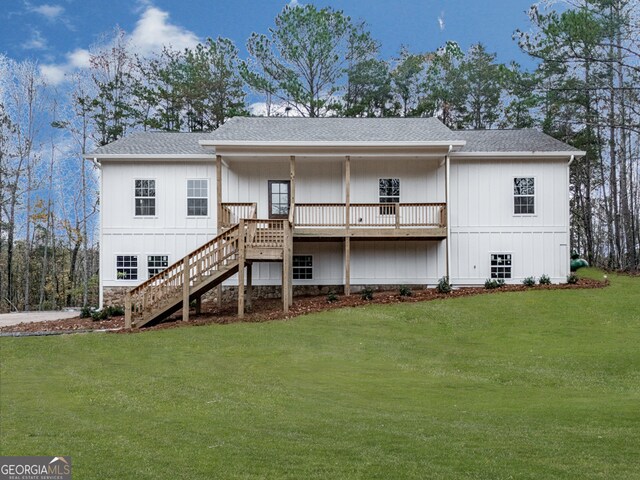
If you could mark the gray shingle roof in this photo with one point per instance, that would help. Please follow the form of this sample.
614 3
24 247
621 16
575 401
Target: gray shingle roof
523 140
156 143
297 129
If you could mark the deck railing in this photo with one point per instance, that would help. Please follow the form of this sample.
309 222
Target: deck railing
385 215
264 233
233 212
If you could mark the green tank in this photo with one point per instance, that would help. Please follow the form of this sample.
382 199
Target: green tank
577 262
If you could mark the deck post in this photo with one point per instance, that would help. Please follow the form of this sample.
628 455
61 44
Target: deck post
249 285
446 207
185 289
292 178
219 214
127 310
286 268
241 262
198 304
347 218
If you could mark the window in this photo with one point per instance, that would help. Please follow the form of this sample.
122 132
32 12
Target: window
524 199
500 265
156 264
279 198
389 192
145 198
197 198
127 267
302 267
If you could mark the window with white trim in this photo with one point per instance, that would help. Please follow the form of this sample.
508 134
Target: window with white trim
388 192
156 264
127 267
302 267
524 196
145 198
197 198
500 265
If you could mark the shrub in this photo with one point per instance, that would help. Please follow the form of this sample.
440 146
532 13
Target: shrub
107 312
86 311
572 279
491 283
529 281
544 280
367 293
405 291
443 285
332 297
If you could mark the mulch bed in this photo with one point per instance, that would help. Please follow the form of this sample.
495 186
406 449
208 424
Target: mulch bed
271 309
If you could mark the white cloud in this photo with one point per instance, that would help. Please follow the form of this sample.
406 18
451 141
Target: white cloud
441 21
53 74
259 109
294 3
153 31
51 12
36 42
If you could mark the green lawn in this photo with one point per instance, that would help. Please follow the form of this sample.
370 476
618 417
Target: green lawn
540 385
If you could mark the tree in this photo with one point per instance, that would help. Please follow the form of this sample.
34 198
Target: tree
408 82
306 58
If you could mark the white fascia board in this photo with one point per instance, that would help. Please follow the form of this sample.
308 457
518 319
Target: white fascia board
130 156
519 154
252 143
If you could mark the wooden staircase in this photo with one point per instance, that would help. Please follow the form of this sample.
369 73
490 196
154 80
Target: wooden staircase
205 268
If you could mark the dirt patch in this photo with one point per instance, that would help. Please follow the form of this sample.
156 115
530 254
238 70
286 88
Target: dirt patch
271 309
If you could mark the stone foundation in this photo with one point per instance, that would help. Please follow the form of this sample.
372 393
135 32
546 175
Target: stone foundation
115 295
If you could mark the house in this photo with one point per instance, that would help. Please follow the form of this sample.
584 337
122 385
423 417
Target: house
312 204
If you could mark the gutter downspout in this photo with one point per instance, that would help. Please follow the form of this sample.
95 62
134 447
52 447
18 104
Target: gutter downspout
568 240
447 172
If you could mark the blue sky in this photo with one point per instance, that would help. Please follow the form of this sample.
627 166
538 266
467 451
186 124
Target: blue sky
57 33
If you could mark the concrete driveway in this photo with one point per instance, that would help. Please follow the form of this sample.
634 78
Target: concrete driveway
8 319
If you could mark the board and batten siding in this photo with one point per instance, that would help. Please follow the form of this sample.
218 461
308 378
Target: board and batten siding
482 219
169 232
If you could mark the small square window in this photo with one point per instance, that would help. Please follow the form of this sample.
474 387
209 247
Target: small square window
156 264
501 265
524 199
302 267
145 198
127 267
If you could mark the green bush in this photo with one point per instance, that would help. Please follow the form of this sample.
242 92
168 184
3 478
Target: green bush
572 279
367 293
491 283
86 312
529 281
544 280
443 285
405 291
332 297
107 312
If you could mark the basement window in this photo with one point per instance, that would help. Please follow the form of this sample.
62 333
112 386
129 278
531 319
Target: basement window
302 267
156 264
127 267
197 198
145 196
500 265
524 196
389 192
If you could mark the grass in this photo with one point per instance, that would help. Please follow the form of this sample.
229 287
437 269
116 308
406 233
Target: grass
539 384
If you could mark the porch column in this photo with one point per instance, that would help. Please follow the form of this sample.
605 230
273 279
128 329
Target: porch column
292 178
219 214
286 268
347 219
448 232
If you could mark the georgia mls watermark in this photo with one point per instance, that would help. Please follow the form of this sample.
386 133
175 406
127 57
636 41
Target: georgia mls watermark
35 468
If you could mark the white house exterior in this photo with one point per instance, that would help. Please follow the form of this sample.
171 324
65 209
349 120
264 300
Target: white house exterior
369 201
